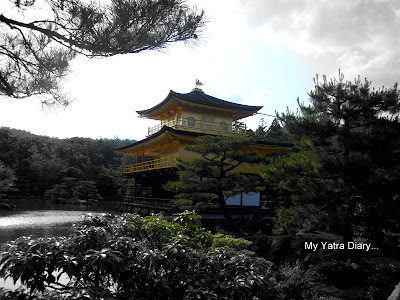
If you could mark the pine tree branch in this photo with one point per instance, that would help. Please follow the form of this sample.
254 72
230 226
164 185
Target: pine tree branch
233 167
54 35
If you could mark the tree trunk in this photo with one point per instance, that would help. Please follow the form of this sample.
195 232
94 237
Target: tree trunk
351 204
348 222
225 212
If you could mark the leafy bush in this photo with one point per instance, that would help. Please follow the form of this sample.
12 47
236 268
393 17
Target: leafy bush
185 230
130 257
228 242
291 280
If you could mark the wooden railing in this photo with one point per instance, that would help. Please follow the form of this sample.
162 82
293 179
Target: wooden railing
192 124
154 164
149 202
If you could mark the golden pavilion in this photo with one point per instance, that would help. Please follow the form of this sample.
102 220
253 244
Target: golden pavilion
182 119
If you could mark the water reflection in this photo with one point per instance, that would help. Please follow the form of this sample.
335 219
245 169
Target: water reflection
38 224
41 217
41 220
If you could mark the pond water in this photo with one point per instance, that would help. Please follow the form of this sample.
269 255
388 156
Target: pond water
39 219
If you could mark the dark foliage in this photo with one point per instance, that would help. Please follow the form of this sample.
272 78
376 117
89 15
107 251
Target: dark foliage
274 133
348 158
139 258
214 175
41 165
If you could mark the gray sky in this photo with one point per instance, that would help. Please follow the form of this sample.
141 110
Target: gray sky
255 52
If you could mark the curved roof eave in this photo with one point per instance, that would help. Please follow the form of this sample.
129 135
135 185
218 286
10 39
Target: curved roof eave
159 133
200 97
165 129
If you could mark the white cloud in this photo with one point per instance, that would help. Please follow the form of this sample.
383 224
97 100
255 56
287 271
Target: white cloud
359 37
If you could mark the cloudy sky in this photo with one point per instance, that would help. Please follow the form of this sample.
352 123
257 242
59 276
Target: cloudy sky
254 52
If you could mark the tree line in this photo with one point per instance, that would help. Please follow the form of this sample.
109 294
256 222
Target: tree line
40 166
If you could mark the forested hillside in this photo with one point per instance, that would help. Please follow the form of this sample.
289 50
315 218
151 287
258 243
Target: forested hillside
39 166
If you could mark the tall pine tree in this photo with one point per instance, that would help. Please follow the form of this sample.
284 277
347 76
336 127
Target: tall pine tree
213 174
355 132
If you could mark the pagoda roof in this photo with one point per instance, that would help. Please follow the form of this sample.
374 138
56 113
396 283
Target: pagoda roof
171 132
198 97
159 133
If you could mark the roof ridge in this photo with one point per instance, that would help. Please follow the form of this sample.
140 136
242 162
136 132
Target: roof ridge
199 97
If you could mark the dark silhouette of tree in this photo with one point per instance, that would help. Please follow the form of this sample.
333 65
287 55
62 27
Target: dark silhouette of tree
213 174
35 51
273 133
290 176
354 131
86 190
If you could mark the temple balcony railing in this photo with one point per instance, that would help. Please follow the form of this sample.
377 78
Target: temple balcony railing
148 202
159 163
169 161
191 124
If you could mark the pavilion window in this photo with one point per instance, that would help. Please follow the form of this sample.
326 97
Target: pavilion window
191 121
223 126
208 121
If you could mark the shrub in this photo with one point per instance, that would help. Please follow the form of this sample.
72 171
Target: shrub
225 241
185 230
131 257
291 280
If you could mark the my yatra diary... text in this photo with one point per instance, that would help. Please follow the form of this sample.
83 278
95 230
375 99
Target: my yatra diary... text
338 246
